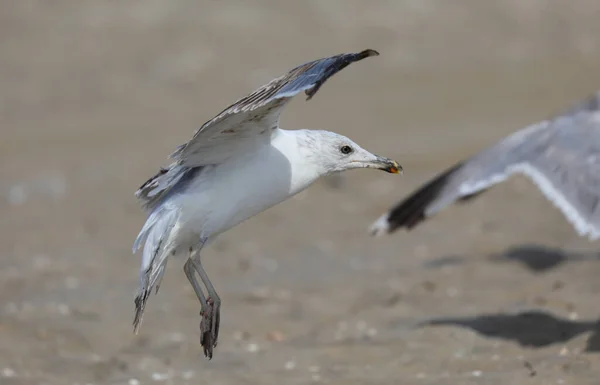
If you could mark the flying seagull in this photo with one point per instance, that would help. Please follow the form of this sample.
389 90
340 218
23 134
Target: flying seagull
561 155
237 165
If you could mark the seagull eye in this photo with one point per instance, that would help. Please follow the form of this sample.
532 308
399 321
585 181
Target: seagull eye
346 150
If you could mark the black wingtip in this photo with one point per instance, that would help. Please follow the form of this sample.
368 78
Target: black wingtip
340 62
367 52
411 211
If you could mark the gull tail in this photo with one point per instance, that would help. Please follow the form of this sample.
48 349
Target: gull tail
156 236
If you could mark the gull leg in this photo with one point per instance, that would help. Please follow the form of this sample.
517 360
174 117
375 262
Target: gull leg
214 301
205 310
189 270
210 307
210 313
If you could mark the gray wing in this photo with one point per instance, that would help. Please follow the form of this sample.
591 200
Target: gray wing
243 124
561 156
240 125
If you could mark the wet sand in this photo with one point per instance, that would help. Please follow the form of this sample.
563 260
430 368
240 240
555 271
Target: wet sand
94 97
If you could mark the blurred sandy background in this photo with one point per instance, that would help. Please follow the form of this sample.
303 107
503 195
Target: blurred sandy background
95 94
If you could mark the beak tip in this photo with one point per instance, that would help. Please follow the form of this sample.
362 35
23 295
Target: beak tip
396 169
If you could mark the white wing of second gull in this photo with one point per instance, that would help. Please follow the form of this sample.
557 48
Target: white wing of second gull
236 165
561 156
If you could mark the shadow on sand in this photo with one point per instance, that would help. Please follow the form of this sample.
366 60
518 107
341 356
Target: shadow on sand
535 258
534 329
540 258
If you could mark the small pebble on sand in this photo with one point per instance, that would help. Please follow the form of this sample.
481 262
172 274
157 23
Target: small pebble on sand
63 309
564 351
573 316
275 336
188 374
253 347
160 376
240 335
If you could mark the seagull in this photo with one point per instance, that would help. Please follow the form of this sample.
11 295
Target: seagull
237 165
560 155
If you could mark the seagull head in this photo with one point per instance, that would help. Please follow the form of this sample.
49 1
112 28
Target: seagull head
335 153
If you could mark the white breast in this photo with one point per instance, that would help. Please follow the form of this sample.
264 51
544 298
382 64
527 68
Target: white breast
225 195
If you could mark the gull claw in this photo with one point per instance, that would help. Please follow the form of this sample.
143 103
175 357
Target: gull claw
209 326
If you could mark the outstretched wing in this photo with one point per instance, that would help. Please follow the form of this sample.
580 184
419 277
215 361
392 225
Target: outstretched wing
255 116
561 156
245 123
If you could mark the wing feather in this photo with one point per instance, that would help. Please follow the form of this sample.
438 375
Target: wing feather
258 113
561 156
249 120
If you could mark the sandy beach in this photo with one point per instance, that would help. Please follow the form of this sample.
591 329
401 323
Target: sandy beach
95 95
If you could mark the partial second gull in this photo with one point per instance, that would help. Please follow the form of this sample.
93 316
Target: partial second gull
237 165
561 156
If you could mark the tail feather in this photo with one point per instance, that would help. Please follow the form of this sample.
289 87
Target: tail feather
140 304
156 234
